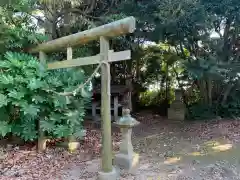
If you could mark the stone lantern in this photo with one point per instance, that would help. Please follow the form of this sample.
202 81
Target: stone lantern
126 158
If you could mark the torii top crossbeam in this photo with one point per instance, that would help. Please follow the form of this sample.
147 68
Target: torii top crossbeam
117 28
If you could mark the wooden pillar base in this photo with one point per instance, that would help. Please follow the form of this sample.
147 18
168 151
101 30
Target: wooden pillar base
42 144
73 144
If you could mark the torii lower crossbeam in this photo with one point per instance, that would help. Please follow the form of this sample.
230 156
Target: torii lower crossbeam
112 56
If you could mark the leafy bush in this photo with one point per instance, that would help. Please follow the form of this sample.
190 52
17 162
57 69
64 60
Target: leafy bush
199 111
29 98
231 108
228 109
154 98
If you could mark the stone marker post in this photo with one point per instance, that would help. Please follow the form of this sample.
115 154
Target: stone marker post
177 108
126 158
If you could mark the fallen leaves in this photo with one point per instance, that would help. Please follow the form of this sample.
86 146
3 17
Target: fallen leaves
24 163
163 138
172 160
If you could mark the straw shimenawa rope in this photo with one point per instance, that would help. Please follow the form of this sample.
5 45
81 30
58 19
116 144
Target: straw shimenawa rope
81 86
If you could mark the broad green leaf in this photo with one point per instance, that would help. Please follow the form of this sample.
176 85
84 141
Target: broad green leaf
6 79
14 59
30 73
41 70
5 64
38 99
73 117
4 114
28 126
56 117
79 133
20 103
62 131
20 79
46 125
35 84
17 129
4 128
16 63
3 100
29 133
60 101
30 110
16 94
33 63
54 81
72 114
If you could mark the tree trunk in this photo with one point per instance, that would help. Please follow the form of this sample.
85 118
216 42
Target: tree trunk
227 43
66 31
209 87
226 93
203 90
166 93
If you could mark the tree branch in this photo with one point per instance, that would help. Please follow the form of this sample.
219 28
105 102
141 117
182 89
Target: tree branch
91 8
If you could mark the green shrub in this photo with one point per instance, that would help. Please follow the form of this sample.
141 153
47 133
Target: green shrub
154 98
199 111
28 96
229 109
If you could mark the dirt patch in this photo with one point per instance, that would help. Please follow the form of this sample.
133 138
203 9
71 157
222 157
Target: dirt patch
173 151
168 150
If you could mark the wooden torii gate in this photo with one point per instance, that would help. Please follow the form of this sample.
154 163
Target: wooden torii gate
106 56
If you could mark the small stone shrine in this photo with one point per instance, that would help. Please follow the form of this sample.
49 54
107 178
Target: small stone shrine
177 108
126 158
118 94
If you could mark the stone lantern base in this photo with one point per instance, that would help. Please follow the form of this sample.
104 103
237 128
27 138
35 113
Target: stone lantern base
177 114
129 163
113 175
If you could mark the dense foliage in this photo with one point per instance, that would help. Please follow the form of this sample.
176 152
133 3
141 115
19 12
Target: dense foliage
27 97
205 38
30 102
